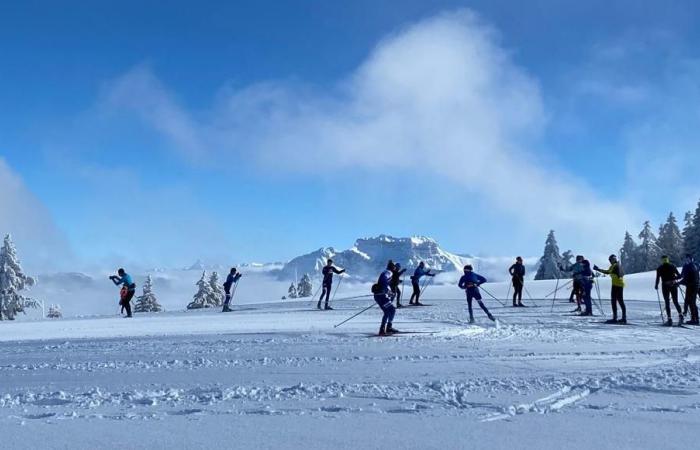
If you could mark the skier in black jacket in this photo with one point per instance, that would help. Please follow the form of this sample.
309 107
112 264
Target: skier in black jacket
691 279
517 272
668 275
328 272
395 282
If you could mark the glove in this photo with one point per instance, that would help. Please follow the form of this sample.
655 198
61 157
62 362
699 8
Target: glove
596 268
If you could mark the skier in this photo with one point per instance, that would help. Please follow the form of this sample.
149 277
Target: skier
517 272
415 283
668 274
395 281
384 298
584 275
122 296
328 272
617 289
576 286
124 279
470 282
233 276
690 279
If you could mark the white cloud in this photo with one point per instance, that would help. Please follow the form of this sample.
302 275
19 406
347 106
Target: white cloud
439 96
22 214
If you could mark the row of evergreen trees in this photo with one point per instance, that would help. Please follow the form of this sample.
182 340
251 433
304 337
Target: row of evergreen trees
635 256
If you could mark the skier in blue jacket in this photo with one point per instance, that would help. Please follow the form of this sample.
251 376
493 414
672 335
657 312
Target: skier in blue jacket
231 279
384 298
470 282
419 273
124 279
584 276
327 284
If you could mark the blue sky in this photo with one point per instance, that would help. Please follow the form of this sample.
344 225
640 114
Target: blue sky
261 130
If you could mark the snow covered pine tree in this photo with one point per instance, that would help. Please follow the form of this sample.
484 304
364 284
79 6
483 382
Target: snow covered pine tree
54 312
147 302
305 289
12 282
648 252
203 296
671 241
552 264
217 290
292 292
628 255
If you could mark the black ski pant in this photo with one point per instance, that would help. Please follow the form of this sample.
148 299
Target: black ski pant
517 290
126 303
575 291
415 296
475 295
671 292
397 293
691 295
587 287
617 298
227 298
385 303
327 288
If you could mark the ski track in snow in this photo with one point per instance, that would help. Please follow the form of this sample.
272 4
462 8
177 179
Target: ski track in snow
533 362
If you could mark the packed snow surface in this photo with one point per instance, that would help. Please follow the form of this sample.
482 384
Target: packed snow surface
279 375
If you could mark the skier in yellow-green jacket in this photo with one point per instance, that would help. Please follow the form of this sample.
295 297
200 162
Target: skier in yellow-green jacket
618 287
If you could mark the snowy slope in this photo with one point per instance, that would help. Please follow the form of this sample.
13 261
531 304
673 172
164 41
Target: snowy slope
279 375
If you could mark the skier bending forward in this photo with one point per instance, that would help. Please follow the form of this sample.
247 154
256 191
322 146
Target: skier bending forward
382 295
470 282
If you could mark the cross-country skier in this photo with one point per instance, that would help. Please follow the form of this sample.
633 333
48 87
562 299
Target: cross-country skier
395 282
328 272
419 273
124 279
583 273
517 273
384 298
691 279
576 285
668 275
617 289
470 282
233 276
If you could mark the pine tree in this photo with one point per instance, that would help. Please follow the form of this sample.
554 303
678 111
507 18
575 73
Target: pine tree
688 233
670 240
305 289
54 312
147 302
551 263
628 254
648 251
203 296
292 292
217 290
12 282
692 236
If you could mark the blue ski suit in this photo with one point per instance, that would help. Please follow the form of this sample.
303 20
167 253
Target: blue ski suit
470 282
384 299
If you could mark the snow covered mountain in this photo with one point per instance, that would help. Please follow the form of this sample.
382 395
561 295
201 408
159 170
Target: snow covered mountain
369 256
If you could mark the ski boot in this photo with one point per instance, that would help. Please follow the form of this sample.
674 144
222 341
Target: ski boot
586 314
622 321
520 304
328 307
515 305
318 306
226 309
612 321
668 323
399 305
681 320
577 310
390 329
382 331
471 320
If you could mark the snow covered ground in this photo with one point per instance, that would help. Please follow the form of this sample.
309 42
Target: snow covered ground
279 375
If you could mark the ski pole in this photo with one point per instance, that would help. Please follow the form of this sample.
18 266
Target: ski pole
600 302
529 296
340 280
508 293
491 295
556 288
658 297
317 291
355 315
425 286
